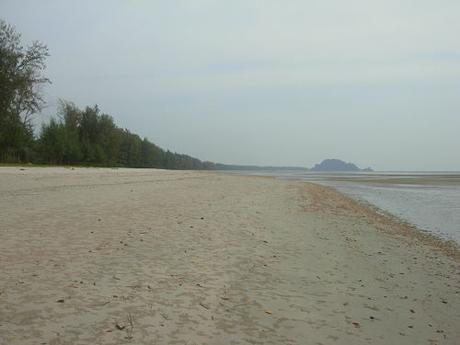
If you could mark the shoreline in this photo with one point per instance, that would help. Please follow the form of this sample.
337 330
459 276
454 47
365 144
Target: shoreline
112 256
437 240
407 230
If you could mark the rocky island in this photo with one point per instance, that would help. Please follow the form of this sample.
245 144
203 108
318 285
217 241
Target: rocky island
338 165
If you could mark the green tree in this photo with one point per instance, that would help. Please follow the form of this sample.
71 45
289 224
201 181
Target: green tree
21 79
59 141
89 137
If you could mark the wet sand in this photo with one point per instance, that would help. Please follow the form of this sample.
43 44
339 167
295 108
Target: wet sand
451 180
116 256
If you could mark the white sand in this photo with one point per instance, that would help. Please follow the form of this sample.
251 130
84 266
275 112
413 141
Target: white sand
115 256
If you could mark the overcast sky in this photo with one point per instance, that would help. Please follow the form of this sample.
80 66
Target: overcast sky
263 82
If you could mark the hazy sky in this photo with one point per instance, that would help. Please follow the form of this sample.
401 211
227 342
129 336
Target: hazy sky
263 82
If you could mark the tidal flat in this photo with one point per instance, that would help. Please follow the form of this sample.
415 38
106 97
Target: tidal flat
429 201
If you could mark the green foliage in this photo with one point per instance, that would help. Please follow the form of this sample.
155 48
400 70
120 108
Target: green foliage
20 80
92 138
79 137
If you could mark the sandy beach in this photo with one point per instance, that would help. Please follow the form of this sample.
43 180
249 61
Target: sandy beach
138 256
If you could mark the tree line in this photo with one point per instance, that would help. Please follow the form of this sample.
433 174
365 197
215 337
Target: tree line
87 136
76 136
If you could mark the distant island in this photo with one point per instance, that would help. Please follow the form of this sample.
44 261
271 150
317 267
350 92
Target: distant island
337 165
327 165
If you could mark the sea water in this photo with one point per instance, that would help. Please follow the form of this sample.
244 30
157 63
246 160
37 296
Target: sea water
431 208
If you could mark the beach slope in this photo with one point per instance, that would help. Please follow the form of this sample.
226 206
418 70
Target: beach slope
114 256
